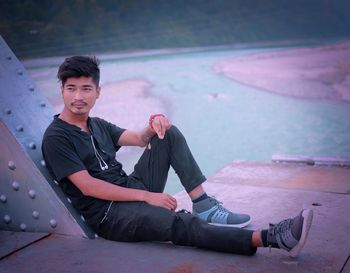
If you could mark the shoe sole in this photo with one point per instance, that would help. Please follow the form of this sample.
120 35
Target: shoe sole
308 216
231 225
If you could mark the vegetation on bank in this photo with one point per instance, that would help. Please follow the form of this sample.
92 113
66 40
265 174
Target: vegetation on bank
39 28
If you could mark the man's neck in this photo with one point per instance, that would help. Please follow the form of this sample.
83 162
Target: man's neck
77 120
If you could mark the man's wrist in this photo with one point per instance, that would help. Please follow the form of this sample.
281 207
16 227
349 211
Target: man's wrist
147 135
144 196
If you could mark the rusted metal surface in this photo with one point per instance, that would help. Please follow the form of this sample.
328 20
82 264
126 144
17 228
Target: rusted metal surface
326 250
346 268
11 241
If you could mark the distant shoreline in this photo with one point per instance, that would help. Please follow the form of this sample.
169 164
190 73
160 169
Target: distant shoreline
55 61
321 73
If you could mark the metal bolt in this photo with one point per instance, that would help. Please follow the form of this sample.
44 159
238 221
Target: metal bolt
56 182
7 111
11 165
42 104
31 88
43 163
19 72
32 145
69 201
82 218
7 219
35 214
9 58
23 227
19 128
53 223
15 185
32 194
3 198
96 236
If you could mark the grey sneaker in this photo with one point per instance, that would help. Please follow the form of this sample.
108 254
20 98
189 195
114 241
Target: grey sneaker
291 234
212 211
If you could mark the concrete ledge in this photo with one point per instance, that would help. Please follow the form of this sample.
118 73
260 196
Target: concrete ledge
310 160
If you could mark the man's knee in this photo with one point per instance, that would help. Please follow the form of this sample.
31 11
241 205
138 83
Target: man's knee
174 133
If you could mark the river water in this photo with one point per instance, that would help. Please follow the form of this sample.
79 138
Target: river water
222 119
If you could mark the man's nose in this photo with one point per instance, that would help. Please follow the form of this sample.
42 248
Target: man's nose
78 95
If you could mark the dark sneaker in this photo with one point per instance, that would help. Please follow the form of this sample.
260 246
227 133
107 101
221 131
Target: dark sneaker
212 211
291 234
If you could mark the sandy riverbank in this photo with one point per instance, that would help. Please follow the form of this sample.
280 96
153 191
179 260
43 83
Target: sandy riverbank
321 73
127 103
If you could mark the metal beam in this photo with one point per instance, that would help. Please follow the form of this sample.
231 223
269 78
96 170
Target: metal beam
30 200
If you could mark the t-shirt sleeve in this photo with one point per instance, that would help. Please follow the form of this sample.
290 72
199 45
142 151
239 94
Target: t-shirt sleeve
115 133
60 157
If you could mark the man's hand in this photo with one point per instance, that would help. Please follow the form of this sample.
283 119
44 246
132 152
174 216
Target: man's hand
163 200
160 124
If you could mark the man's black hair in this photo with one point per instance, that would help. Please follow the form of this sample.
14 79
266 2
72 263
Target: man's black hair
79 66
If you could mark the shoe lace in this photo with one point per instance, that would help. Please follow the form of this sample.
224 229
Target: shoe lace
220 208
277 231
281 227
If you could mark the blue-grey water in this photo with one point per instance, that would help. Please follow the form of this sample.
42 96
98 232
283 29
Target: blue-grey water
238 122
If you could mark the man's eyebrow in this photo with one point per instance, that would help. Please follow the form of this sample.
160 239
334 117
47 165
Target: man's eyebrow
84 85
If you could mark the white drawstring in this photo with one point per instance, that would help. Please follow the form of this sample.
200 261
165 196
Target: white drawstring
99 157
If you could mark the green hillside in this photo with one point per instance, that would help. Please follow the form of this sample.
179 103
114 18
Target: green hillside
38 28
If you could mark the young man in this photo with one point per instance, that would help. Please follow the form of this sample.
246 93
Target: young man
80 154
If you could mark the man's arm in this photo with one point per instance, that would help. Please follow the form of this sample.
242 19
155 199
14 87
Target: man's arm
158 126
101 189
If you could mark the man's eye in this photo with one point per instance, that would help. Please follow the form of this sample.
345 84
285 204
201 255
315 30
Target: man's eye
87 89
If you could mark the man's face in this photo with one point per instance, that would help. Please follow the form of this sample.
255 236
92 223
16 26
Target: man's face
79 95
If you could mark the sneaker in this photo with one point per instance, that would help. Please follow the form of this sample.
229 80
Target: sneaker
212 211
291 234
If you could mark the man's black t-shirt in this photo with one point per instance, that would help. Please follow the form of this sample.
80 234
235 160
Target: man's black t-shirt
67 149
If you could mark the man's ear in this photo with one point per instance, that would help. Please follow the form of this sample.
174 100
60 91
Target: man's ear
62 89
98 90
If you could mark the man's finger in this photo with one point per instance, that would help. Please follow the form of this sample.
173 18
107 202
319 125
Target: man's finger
167 124
158 128
173 201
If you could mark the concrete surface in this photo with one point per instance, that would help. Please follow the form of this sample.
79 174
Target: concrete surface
268 192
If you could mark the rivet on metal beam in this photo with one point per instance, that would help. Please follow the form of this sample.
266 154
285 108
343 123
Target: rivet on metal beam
15 185
32 145
43 104
20 72
23 227
9 58
96 236
53 223
11 165
43 163
7 111
35 214
32 194
69 201
31 88
82 218
7 219
19 128
56 182
3 198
